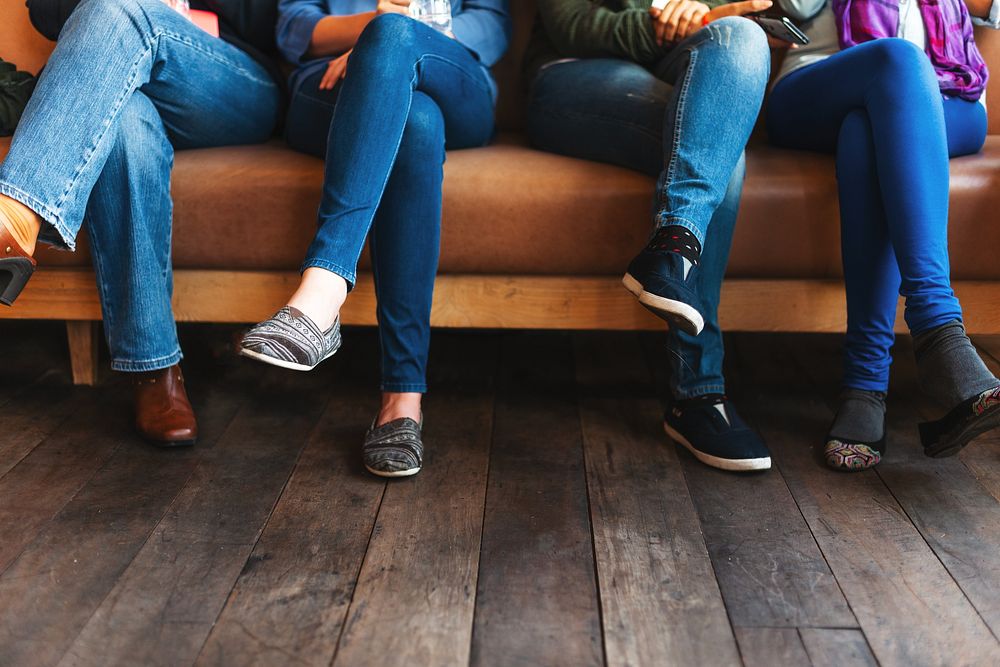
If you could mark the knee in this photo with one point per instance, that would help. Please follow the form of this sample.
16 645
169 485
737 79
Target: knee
423 135
894 60
745 45
137 13
388 34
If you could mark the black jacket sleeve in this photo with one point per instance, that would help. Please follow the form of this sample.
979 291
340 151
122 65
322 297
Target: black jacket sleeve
48 16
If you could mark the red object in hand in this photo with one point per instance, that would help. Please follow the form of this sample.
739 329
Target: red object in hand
705 20
207 21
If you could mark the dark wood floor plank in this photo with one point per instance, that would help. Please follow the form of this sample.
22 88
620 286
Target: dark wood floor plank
48 594
660 602
772 647
769 567
837 647
33 491
909 607
164 604
290 600
34 413
537 600
957 516
422 565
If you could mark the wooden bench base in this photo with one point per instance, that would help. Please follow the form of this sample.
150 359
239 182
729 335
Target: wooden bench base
472 301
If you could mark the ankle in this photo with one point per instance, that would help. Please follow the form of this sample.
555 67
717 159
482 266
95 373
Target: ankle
860 416
21 222
320 296
397 405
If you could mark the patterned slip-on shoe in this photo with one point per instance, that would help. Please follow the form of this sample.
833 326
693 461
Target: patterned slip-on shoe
394 449
290 339
969 419
851 455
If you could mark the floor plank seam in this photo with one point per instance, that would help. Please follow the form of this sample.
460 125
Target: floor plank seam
482 523
357 575
263 526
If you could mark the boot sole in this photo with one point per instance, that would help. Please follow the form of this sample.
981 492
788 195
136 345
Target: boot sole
675 313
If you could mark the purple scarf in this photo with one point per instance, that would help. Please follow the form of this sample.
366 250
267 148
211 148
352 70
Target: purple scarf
960 68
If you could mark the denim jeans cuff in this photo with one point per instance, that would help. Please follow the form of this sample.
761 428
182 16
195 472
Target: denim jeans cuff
46 213
350 276
403 388
664 220
699 391
144 366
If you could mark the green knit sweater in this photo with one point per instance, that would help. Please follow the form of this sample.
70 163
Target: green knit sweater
594 29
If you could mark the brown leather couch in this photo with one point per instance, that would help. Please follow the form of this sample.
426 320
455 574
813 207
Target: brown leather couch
530 240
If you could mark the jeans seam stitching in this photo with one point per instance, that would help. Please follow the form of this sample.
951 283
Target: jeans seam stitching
678 112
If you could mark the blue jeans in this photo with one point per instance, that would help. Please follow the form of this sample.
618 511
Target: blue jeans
686 121
130 81
878 107
409 93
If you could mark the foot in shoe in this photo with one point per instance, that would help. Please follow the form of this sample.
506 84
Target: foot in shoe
662 277
394 449
290 339
19 227
857 438
963 423
21 223
163 414
710 428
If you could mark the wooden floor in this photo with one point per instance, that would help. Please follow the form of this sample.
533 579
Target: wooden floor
553 524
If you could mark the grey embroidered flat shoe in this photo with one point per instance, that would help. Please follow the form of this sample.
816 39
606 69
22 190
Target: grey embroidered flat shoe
290 339
394 449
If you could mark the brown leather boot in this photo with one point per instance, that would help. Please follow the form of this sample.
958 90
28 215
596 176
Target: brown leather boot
163 414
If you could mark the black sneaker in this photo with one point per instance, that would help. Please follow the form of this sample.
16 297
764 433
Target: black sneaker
662 278
711 430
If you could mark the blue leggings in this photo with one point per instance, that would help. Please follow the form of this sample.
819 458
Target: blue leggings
878 107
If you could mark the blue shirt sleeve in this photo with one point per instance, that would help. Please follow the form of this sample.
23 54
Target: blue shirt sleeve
484 27
296 21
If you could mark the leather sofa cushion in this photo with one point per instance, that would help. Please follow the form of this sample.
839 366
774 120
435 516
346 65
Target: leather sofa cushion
510 209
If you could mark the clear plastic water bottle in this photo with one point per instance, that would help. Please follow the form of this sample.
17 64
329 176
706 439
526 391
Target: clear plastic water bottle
435 13
182 7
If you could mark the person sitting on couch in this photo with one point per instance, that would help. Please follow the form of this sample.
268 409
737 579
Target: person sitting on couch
893 89
129 82
673 93
380 95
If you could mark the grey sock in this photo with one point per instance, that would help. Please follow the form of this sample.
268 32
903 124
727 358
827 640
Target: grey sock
948 366
860 417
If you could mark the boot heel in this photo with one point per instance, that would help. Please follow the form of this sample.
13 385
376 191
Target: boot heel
14 274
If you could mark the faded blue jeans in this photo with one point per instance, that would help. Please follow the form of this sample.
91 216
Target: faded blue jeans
409 93
130 81
685 121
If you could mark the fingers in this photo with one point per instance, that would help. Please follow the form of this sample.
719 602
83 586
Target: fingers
335 71
692 21
393 7
667 22
739 9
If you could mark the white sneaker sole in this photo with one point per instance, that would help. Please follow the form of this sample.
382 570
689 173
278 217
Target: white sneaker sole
397 473
290 365
738 465
675 313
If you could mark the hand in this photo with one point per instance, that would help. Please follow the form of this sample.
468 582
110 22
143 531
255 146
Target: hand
776 43
335 72
677 20
738 9
392 7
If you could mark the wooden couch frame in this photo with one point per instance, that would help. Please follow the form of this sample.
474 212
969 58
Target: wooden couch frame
469 301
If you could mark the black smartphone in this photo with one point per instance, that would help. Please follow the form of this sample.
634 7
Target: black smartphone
780 27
